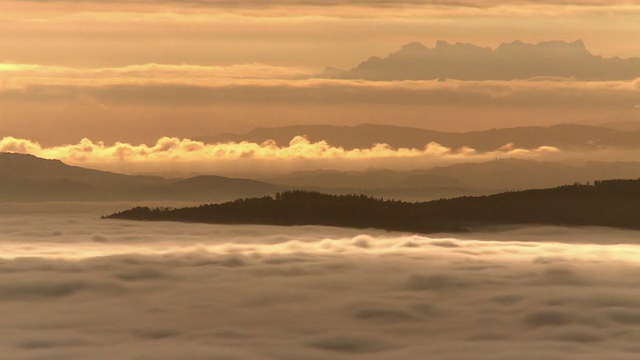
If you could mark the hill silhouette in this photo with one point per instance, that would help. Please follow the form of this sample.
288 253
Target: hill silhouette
563 136
490 177
611 203
509 61
298 208
29 178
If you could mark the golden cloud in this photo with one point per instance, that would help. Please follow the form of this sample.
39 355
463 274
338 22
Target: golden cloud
169 149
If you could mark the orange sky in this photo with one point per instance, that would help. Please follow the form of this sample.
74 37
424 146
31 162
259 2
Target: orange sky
136 71
288 32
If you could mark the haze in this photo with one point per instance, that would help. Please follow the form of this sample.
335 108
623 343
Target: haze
136 71
503 116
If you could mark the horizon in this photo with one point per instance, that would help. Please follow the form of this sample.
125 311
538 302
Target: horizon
136 103
327 179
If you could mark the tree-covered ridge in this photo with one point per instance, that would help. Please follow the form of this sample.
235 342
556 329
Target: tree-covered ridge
614 203
299 207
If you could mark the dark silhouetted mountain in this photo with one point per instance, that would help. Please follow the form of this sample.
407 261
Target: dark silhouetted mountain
509 61
298 208
29 178
612 203
29 167
563 136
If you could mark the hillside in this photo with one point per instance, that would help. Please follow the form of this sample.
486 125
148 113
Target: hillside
300 208
611 203
29 178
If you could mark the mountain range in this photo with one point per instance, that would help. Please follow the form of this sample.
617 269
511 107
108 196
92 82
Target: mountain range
563 136
486 177
28 178
509 61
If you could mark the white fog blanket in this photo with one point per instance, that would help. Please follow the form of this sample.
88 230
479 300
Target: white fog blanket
73 286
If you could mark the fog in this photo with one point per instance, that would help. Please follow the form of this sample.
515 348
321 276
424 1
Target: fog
77 287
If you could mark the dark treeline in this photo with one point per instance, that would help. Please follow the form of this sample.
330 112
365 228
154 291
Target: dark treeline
300 207
614 203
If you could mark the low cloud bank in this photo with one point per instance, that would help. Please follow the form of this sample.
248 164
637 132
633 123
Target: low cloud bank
19 76
161 291
241 157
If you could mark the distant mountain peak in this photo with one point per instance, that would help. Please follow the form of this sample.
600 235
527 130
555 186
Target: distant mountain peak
28 178
509 61
444 45
413 47
549 43
578 44
441 44
19 158
553 47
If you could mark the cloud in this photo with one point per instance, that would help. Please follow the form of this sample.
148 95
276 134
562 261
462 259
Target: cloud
39 290
308 33
245 156
373 4
183 85
142 103
161 290
20 76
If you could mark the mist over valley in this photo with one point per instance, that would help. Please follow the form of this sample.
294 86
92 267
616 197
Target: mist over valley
313 180
77 287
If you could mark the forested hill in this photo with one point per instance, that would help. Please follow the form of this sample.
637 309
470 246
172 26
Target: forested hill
301 208
613 203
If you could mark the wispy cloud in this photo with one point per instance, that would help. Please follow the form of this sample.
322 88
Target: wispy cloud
22 75
128 14
294 83
141 103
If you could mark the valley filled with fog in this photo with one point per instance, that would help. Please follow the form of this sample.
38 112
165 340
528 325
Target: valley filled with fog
77 287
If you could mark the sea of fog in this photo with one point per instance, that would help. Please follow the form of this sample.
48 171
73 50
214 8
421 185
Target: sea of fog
73 286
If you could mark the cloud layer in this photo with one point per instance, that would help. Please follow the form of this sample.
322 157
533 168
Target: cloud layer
77 287
283 32
31 77
21 76
147 102
238 158
135 71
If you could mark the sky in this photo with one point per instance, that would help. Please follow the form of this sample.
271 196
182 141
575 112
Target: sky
138 71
